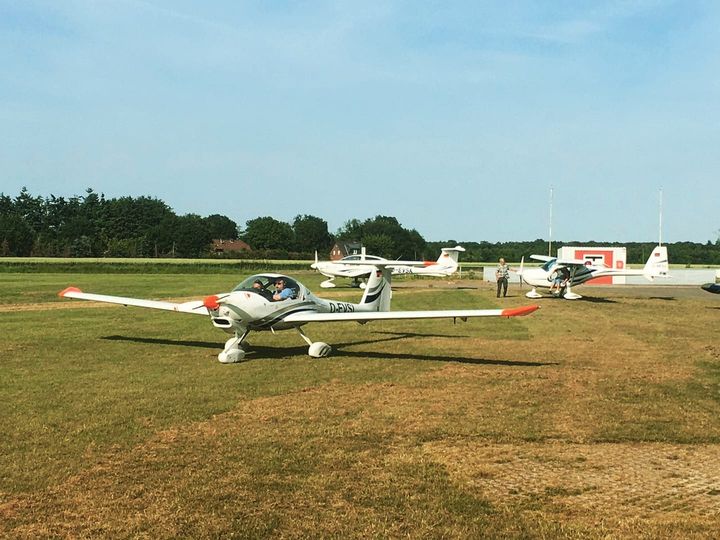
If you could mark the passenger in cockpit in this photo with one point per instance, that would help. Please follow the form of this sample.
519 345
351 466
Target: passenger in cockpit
260 288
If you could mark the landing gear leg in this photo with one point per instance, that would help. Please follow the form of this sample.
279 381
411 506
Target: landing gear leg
317 349
233 351
569 295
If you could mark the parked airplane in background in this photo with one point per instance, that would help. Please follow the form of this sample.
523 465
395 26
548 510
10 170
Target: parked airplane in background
571 272
352 267
712 287
277 302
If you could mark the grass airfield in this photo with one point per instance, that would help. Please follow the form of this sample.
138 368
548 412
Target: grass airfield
590 419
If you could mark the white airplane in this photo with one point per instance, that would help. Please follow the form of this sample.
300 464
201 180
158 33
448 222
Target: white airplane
577 272
250 307
348 267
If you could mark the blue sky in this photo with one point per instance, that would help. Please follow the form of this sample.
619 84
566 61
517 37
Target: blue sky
454 117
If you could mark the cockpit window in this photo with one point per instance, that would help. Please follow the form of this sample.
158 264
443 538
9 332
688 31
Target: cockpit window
265 285
548 265
255 283
359 258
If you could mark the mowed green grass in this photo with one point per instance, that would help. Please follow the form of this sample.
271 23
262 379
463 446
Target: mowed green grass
120 421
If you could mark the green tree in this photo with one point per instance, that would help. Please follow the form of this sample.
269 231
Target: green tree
311 234
16 235
161 237
191 236
351 230
6 205
221 227
379 244
268 233
31 209
402 242
128 217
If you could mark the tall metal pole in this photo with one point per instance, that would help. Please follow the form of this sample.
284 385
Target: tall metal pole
550 224
661 216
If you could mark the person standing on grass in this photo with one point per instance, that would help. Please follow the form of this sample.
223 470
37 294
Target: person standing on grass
502 274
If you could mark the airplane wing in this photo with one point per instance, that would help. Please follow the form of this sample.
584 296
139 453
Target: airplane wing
576 262
386 263
543 258
195 307
360 316
567 263
352 272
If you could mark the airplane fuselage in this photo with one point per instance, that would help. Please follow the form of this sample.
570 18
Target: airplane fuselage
543 276
246 308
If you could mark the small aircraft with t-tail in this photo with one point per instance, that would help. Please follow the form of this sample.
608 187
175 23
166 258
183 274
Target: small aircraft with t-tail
274 302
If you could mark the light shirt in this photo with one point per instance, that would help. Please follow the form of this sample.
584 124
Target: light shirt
285 293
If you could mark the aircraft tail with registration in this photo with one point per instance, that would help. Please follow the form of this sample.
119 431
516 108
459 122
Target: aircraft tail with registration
657 264
378 290
446 264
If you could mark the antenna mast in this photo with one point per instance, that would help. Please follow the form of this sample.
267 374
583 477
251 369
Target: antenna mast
660 224
550 224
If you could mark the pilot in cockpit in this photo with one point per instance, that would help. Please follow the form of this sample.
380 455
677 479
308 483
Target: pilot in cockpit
260 288
282 292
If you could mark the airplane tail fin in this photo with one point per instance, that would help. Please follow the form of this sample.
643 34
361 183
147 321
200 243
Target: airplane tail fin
449 257
378 292
657 264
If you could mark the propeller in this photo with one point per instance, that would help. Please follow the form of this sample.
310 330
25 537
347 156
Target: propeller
212 302
520 272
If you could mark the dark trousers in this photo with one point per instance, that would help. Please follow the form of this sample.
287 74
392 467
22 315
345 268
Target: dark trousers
502 283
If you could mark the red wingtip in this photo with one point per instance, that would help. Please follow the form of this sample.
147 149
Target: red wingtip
519 311
211 302
68 290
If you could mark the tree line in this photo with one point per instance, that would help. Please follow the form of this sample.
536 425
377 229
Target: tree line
92 225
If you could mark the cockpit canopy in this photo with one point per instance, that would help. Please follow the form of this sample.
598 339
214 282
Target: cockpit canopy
264 285
548 265
368 258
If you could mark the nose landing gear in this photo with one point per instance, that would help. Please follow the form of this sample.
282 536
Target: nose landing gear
233 351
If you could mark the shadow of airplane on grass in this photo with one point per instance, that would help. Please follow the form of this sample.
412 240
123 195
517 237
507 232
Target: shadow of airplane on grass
162 341
598 300
259 352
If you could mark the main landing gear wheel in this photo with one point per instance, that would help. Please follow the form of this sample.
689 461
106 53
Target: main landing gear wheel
232 356
317 349
569 295
533 294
